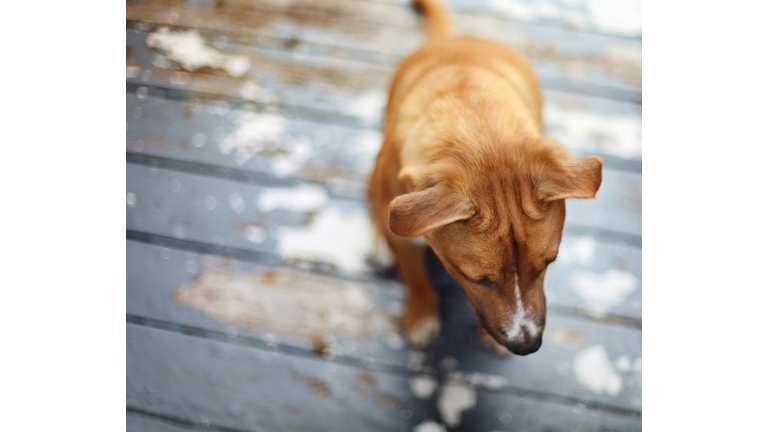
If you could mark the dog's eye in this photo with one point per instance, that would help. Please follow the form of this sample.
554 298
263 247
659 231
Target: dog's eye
484 282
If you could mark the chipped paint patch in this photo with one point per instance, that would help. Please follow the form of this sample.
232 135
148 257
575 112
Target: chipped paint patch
423 386
254 133
336 237
594 370
564 338
615 134
603 291
285 301
429 426
455 397
299 199
189 50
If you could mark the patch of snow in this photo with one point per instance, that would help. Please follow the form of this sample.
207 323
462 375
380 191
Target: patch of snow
424 332
623 363
296 152
189 50
615 134
594 370
429 426
454 398
579 250
515 9
334 236
300 199
255 234
254 133
422 386
369 107
603 291
622 17
395 341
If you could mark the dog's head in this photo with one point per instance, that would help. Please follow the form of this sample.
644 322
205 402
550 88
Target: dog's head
496 224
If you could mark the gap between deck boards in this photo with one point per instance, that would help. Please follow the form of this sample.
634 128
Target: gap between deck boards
358 363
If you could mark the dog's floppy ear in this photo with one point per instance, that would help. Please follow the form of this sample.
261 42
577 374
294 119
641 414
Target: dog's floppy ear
416 213
574 178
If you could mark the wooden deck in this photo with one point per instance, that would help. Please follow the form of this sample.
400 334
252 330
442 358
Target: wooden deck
252 304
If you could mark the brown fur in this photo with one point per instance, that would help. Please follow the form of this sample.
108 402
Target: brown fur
463 163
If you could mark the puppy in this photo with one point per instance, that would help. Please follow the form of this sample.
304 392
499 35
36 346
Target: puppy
464 165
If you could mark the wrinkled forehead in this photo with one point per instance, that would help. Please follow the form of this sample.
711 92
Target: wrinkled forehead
504 234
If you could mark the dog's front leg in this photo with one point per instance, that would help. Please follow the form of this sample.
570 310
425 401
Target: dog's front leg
421 320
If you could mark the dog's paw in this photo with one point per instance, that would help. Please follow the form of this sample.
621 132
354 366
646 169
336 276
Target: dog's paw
423 332
487 341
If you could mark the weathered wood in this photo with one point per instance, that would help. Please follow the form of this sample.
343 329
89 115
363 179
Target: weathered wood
216 132
298 43
154 273
271 167
220 385
273 219
589 275
565 14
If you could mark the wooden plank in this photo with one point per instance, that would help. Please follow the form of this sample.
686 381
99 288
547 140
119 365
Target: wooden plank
233 387
215 132
300 220
155 273
220 385
304 39
590 276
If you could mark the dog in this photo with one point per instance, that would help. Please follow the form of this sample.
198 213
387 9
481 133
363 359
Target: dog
464 166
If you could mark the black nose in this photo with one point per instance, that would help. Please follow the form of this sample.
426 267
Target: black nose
524 346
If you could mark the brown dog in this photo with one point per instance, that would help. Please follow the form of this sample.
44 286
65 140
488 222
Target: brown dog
464 165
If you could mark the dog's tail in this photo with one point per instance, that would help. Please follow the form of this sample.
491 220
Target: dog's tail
436 15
